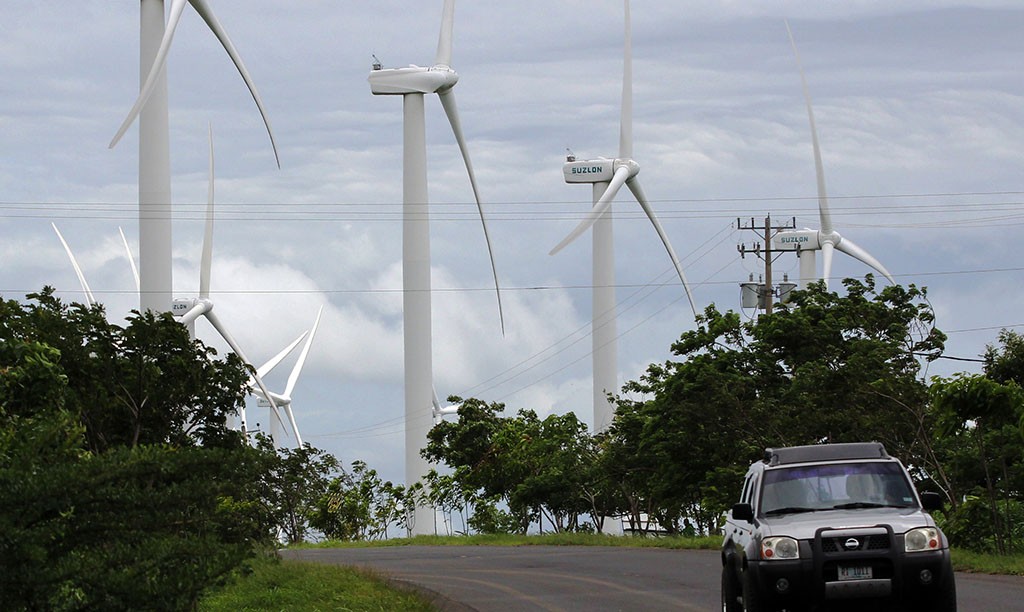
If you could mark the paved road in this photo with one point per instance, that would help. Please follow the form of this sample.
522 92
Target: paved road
556 578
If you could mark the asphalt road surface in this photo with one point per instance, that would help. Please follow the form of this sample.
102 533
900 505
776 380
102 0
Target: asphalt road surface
553 578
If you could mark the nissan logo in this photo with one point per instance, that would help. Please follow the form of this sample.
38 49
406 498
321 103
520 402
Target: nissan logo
852 544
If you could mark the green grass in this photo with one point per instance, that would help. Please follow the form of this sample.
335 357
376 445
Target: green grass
273 584
968 561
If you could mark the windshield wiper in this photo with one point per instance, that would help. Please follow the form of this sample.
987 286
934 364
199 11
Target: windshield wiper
790 510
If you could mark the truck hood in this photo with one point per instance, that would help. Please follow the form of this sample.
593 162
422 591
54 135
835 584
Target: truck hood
804 525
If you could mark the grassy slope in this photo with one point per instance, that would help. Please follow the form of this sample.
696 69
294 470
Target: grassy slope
292 585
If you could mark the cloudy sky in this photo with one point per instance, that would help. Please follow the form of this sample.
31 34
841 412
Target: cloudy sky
920 111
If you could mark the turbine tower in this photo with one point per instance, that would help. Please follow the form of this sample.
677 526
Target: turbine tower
413 83
607 176
827 240
154 141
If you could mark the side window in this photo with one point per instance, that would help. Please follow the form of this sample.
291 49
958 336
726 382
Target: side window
755 483
745 497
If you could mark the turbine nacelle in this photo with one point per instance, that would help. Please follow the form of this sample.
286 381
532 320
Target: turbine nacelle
411 80
797 240
597 170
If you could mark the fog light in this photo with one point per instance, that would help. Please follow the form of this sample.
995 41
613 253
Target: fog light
782 585
926 576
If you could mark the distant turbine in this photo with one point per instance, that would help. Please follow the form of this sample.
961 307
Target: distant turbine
284 400
412 83
827 239
607 177
188 310
154 142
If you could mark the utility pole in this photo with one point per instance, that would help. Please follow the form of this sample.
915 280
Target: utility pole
766 291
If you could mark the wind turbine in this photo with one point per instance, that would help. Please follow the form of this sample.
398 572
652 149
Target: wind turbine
154 141
607 176
284 400
412 83
188 310
827 240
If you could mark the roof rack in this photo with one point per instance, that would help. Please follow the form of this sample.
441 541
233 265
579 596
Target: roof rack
825 452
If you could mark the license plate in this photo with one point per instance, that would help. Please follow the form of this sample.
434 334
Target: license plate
855 572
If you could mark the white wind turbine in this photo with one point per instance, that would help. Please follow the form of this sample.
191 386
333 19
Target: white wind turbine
827 240
412 83
188 310
154 141
284 400
607 177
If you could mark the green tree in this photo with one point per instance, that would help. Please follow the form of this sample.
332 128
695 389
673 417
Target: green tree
121 487
539 468
978 419
146 383
295 480
360 505
824 368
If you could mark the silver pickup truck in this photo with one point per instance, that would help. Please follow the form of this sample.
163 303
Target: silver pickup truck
834 527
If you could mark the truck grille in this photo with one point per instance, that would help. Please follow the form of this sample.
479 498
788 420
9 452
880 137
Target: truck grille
865 542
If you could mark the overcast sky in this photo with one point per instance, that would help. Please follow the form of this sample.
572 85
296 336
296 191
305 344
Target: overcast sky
920 111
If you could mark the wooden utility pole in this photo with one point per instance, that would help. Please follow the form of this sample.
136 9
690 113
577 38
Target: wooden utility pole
764 252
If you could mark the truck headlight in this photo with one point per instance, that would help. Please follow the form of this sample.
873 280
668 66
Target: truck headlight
922 539
780 547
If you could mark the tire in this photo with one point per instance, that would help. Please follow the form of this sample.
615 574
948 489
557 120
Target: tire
730 591
945 597
751 596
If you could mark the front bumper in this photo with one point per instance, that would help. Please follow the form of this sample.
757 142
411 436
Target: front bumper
831 568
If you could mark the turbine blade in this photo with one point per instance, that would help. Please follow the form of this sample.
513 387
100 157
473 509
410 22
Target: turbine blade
638 193
159 63
827 248
267 367
295 426
206 262
626 122
602 204
823 209
203 8
850 248
131 260
444 43
215 321
297 368
452 111
74 264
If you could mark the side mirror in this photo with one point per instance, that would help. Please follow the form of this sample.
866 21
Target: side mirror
931 501
743 512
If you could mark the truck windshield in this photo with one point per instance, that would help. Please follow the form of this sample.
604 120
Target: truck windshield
836 486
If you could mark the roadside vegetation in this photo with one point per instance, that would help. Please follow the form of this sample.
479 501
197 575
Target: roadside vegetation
123 487
270 584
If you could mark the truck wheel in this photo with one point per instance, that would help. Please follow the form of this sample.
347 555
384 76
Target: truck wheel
945 597
730 591
751 597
